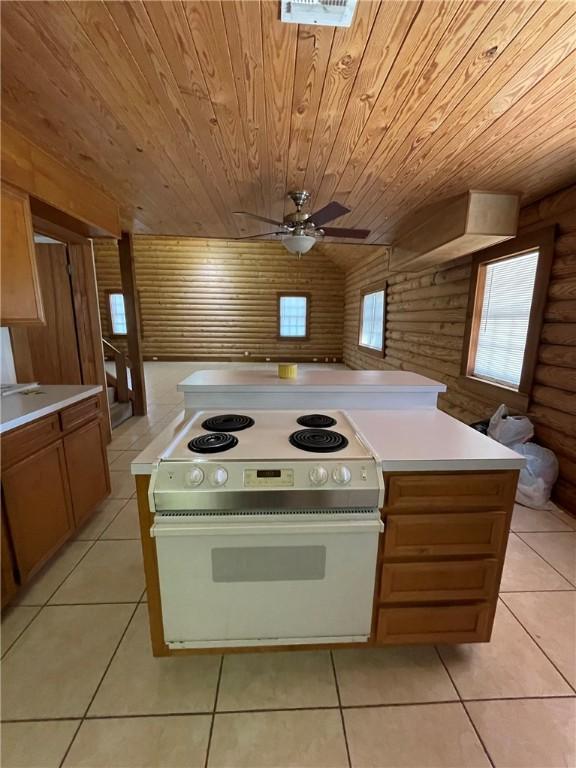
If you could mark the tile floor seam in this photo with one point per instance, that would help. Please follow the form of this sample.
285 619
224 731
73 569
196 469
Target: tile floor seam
568 683
113 519
573 533
213 718
345 707
554 513
107 667
4 652
41 606
530 591
484 747
333 663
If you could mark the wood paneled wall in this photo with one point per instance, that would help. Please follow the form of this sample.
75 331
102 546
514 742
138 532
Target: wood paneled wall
425 326
217 299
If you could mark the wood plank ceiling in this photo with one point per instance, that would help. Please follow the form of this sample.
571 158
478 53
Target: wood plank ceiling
186 111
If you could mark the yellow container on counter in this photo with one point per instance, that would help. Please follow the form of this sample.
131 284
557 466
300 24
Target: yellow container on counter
287 370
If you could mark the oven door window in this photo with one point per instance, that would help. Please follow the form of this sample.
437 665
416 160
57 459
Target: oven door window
253 564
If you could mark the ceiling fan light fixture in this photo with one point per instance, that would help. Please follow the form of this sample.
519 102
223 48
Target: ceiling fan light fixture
299 244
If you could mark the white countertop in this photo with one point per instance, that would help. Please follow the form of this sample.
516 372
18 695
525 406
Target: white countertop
426 440
258 380
430 441
19 408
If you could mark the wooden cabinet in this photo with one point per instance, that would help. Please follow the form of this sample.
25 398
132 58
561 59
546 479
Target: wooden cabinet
38 507
21 299
87 469
434 624
441 555
444 535
438 581
7 565
449 492
54 474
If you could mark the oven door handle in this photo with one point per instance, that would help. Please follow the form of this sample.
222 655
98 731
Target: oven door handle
172 528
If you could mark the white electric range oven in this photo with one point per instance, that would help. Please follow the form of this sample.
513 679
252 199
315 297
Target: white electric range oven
267 527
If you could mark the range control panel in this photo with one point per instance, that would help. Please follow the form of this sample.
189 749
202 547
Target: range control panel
196 484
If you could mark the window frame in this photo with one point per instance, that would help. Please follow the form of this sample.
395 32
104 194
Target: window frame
109 292
288 295
541 240
382 285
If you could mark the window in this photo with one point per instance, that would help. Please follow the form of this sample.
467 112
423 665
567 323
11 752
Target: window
506 305
372 310
293 316
117 313
504 314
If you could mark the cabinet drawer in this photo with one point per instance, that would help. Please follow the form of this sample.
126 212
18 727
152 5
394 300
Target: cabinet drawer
77 414
481 533
458 492
25 440
434 624
431 582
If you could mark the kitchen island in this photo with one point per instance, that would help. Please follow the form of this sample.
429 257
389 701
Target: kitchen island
447 504
249 389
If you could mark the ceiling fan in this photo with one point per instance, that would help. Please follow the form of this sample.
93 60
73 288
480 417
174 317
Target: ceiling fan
300 230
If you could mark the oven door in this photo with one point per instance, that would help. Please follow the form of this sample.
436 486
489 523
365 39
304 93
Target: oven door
266 583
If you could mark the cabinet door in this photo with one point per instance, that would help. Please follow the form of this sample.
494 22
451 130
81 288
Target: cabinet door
21 297
9 585
87 469
37 507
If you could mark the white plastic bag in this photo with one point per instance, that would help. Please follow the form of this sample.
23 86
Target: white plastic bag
509 430
538 475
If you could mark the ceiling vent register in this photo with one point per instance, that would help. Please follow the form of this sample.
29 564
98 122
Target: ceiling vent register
326 13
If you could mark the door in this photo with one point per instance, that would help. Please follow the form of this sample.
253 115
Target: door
37 505
87 469
265 583
51 350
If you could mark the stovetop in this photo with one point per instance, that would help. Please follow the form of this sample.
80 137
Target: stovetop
268 436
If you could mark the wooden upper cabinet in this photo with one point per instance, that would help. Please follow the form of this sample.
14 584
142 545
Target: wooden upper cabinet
21 302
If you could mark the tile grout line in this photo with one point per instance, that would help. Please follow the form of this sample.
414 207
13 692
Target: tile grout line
568 683
472 723
105 672
201 713
566 579
213 713
41 606
113 519
333 663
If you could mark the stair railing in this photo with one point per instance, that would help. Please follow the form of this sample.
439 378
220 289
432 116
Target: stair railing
120 382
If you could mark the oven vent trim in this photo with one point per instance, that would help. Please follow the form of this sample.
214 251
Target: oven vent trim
273 513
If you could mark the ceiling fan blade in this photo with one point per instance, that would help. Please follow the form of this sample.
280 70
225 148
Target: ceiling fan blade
342 232
264 234
331 211
259 218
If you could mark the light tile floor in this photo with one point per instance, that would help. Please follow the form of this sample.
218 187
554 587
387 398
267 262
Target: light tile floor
81 688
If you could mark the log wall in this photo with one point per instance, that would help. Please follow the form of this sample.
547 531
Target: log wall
426 314
217 299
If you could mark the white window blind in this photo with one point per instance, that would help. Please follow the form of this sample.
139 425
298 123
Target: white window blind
117 314
506 305
372 330
293 312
